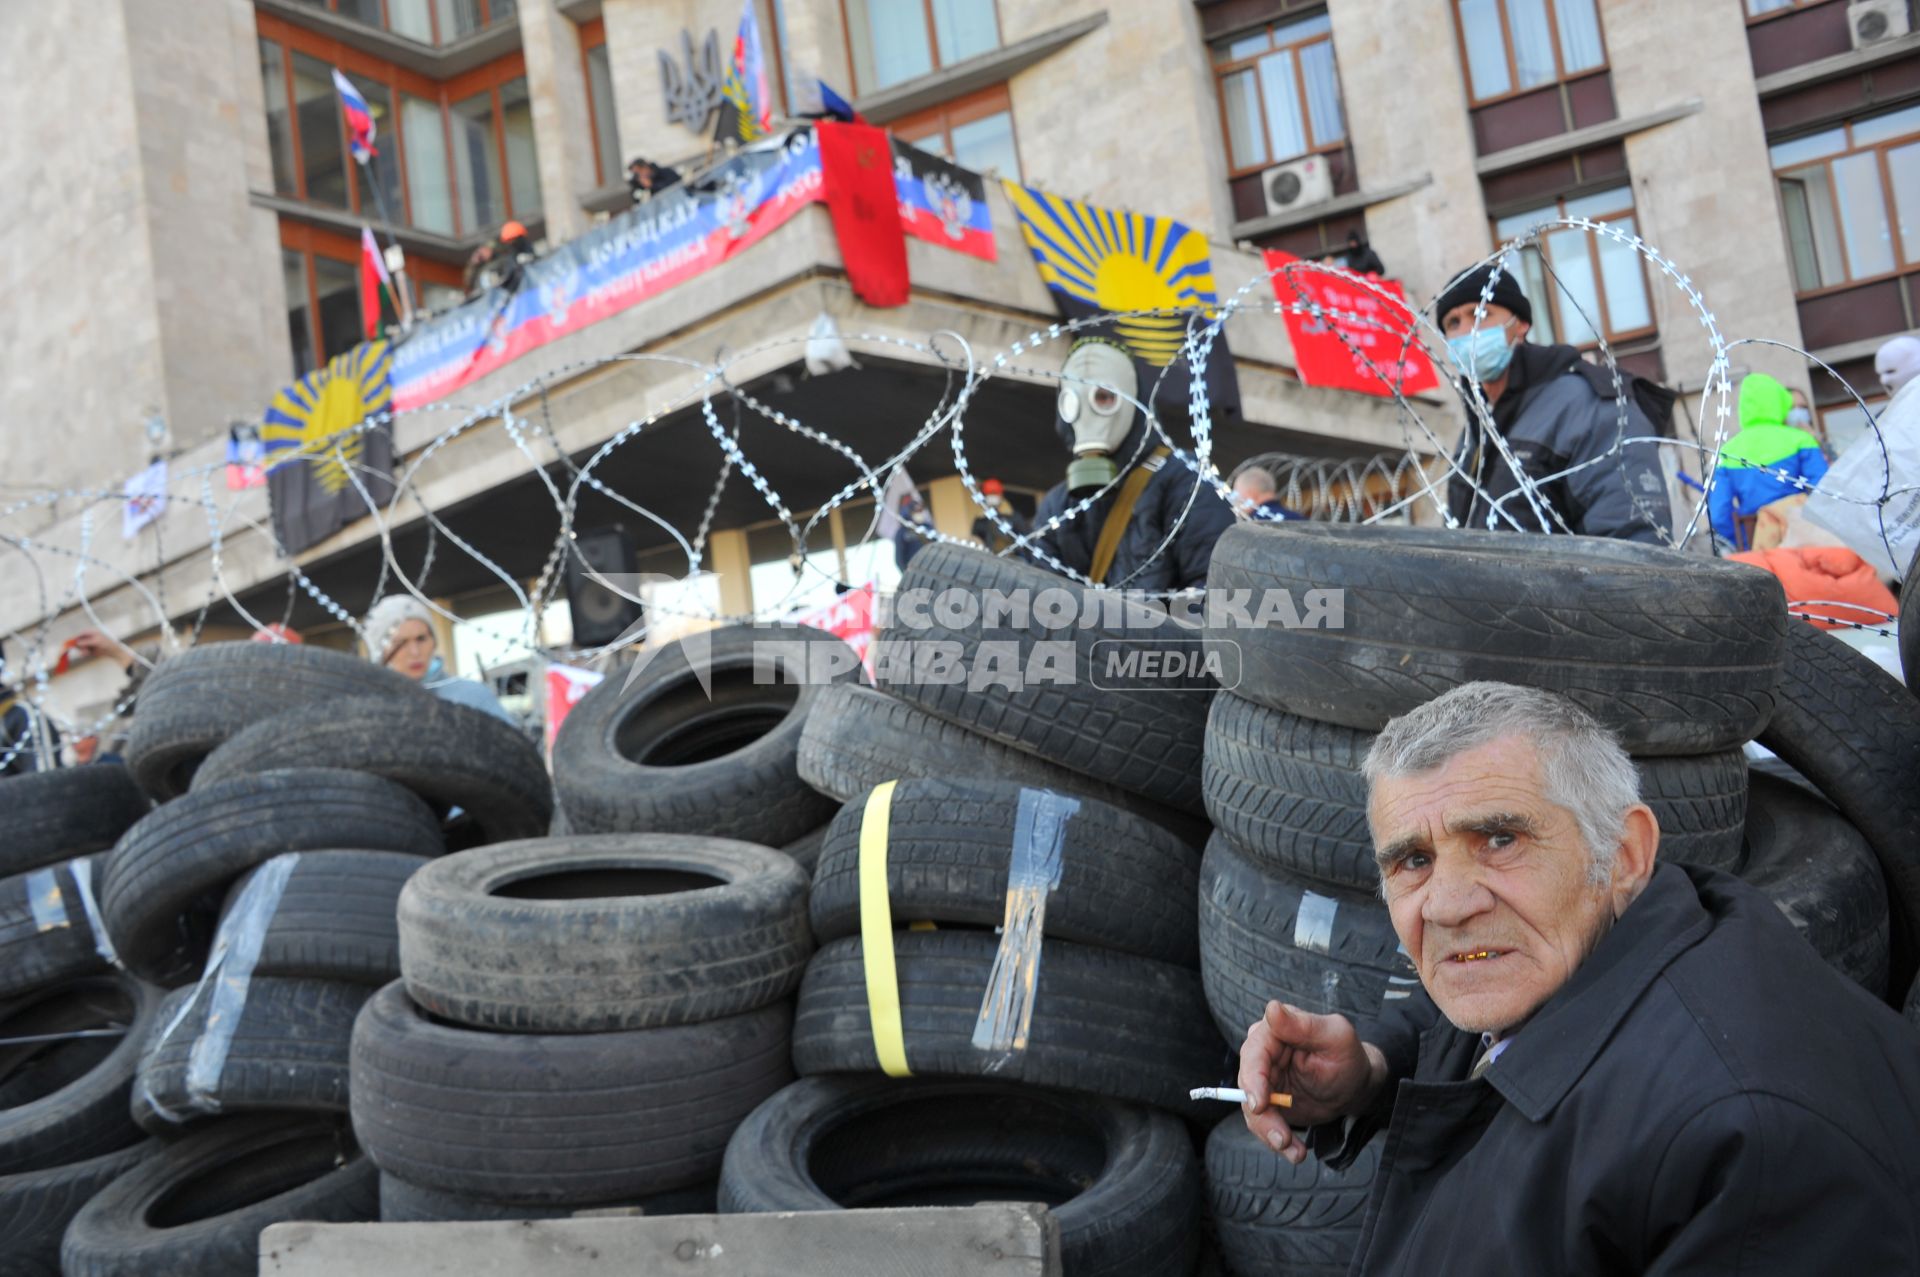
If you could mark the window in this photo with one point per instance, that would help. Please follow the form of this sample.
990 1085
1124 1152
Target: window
321 270
1515 45
321 133
476 162
1279 93
602 115
1762 8
516 129
893 41
299 310
1584 286
1850 197
429 181
427 21
1843 423
975 132
455 157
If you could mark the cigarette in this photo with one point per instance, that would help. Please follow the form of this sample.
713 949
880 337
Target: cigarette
1234 1095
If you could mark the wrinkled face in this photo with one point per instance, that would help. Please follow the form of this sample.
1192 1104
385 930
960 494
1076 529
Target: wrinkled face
1487 882
1094 380
410 649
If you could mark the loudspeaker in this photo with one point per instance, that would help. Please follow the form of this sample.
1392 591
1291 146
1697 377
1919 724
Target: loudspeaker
599 615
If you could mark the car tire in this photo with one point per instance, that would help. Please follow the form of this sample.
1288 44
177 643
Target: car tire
856 737
144 1225
671 754
286 1048
451 755
162 884
568 1118
336 917
1271 1216
1676 653
195 701
37 1206
1850 728
1822 874
56 815
47 926
67 1100
1268 934
597 932
1119 1179
1103 1023
1123 884
1141 732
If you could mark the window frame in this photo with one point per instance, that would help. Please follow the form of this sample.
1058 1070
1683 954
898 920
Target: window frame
1562 76
933 41
433 19
1605 333
310 242
593 35
1903 265
1795 7
1221 70
940 121
397 80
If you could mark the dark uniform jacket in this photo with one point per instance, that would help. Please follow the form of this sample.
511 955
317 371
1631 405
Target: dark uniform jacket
1704 1095
1559 412
1169 499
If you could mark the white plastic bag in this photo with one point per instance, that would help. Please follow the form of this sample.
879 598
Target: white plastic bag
1848 501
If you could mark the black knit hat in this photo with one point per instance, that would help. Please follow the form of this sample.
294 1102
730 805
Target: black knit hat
1466 289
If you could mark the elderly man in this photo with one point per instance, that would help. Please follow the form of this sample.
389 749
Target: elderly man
1612 1065
1254 484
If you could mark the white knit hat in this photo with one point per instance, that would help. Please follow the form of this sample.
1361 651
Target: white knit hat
388 615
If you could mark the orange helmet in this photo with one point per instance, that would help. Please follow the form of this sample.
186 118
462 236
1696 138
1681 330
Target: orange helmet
991 487
513 230
276 633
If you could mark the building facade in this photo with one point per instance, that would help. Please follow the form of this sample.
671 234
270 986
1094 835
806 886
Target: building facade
189 218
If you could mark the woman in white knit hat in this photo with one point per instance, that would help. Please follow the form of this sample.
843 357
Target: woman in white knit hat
399 633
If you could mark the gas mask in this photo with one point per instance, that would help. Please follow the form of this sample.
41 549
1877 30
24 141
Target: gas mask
1095 411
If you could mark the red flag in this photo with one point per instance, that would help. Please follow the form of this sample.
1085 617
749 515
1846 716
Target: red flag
856 167
1384 333
373 273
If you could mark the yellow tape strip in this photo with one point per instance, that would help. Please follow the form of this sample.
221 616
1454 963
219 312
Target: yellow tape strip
876 935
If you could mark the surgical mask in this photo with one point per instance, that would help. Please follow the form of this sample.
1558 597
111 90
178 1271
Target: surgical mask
1095 412
1483 355
1801 417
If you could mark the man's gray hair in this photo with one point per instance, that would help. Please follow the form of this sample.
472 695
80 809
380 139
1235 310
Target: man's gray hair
1584 768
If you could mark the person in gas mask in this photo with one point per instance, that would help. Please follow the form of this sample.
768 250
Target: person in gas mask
1118 541
1556 413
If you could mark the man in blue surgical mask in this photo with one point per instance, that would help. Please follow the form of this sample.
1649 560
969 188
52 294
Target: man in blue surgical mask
1556 413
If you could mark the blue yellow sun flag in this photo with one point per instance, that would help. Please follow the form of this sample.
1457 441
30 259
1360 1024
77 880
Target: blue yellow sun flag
321 433
1098 260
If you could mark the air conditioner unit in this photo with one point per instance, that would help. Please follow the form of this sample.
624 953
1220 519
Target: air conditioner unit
1297 184
1873 21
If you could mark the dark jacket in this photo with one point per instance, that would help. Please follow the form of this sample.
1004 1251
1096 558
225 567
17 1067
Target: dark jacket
19 742
1558 412
1704 1095
1168 496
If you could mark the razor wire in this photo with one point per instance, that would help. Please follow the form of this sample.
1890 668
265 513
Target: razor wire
67 572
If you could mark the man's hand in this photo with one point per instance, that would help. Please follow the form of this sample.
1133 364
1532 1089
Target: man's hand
94 643
1319 1060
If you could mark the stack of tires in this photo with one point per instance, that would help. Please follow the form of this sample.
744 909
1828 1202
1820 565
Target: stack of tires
581 1022
141 1006
1686 659
1076 1102
70 1025
947 784
703 740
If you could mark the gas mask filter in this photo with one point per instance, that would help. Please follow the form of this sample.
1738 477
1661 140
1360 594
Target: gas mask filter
1095 411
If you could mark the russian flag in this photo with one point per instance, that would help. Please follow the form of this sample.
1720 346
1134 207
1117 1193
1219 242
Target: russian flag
373 274
359 118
